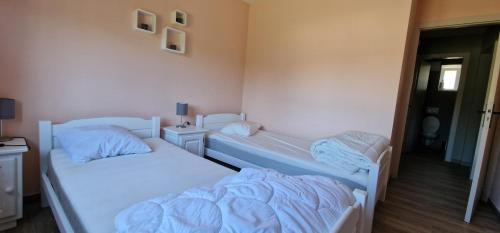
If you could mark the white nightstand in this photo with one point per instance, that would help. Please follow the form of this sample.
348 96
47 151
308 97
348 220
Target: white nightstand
11 182
190 138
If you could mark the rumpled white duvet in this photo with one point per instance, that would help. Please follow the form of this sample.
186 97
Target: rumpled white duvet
351 150
254 200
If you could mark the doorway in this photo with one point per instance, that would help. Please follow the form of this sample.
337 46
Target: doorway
447 117
448 91
436 103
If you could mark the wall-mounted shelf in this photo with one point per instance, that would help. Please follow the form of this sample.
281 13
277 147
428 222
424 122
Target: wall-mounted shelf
144 21
173 40
178 17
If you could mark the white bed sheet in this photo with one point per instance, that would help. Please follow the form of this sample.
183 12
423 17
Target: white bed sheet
285 149
97 191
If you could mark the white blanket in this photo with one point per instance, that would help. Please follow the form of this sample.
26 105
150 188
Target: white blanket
352 150
253 200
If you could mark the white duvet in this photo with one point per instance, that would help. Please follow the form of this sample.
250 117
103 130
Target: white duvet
253 200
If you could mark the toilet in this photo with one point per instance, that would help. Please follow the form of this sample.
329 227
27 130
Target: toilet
430 127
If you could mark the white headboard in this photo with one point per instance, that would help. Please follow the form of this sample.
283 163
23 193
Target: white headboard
217 121
140 127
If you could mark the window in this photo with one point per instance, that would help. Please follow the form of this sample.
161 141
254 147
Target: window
450 77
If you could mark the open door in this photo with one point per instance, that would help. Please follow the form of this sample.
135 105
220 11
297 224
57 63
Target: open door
481 154
416 105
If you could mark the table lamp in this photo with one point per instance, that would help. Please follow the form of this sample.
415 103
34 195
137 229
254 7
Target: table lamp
7 112
182 110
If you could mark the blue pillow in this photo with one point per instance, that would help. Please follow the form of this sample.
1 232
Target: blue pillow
87 143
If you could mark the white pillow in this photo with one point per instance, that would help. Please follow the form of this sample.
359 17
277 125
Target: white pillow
87 143
244 128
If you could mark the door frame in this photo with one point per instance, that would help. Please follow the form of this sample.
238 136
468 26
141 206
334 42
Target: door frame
411 103
464 76
460 22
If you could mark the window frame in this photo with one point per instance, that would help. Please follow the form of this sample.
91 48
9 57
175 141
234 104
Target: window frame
454 67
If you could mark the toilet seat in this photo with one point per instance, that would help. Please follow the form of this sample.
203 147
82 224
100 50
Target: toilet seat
430 126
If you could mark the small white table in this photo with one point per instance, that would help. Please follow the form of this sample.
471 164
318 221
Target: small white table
190 138
11 182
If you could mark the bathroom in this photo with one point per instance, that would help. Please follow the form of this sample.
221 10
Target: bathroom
439 105
449 87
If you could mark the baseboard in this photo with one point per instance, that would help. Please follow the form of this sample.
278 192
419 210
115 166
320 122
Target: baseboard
32 198
497 211
460 162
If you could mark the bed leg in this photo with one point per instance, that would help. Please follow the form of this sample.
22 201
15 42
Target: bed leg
383 194
361 198
387 174
374 183
370 212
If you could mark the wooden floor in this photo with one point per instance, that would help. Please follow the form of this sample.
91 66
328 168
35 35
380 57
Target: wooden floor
431 196
428 196
36 220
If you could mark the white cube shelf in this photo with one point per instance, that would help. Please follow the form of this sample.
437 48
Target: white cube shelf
173 40
178 17
144 21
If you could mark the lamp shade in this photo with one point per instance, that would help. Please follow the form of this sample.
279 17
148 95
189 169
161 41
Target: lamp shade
7 109
182 109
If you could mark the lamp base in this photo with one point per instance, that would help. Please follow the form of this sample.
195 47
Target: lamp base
180 126
5 139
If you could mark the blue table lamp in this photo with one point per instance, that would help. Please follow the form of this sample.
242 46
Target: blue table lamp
182 110
7 112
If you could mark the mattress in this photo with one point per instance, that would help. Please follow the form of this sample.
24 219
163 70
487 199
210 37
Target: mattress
92 194
283 153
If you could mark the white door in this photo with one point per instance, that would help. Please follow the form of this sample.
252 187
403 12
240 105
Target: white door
481 154
416 106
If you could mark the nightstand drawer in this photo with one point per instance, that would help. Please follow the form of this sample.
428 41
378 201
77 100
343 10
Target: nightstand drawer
193 144
11 182
8 186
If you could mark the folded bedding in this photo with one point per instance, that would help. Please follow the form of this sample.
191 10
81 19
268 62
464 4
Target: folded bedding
254 200
352 150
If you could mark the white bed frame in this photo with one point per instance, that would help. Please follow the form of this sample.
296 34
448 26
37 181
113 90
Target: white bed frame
351 220
47 130
378 175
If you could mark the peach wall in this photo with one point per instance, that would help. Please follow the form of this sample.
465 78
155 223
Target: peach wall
319 67
432 11
63 60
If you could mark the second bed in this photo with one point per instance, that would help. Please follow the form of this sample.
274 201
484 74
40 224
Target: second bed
289 155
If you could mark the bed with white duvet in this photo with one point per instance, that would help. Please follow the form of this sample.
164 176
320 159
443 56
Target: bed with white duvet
281 152
171 190
291 155
254 200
